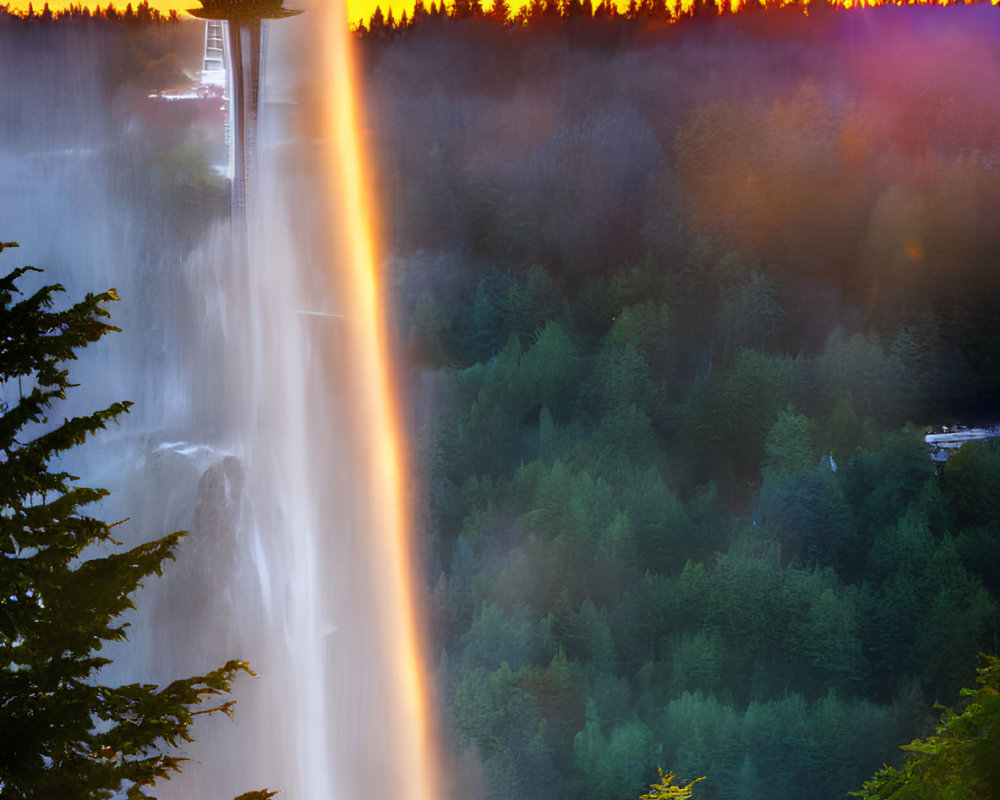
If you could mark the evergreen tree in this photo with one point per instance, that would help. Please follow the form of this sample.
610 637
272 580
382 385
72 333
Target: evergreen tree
62 733
500 11
376 23
961 759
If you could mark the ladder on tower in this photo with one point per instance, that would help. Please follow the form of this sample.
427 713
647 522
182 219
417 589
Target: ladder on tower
213 70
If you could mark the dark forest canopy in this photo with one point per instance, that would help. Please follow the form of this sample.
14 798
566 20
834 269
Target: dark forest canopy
684 300
536 14
142 14
842 168
603 13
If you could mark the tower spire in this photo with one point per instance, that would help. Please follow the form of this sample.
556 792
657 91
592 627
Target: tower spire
245 31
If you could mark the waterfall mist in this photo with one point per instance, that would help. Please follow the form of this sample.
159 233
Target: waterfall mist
249 428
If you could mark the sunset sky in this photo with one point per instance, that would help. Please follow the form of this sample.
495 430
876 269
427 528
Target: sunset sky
357 9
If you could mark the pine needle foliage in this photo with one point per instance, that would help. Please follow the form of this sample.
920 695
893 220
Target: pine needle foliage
961 761
666 790
63 734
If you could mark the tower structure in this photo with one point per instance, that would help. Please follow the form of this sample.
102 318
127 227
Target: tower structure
213 69
244 21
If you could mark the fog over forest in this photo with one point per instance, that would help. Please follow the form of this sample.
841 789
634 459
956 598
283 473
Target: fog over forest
675 307
681 302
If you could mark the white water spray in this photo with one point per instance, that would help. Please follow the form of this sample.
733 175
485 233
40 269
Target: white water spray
251 431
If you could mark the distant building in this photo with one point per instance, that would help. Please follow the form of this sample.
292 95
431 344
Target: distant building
950 438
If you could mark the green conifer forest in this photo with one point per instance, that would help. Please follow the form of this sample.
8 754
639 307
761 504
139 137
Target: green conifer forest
681 305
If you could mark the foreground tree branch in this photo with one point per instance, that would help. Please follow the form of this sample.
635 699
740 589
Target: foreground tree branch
63 734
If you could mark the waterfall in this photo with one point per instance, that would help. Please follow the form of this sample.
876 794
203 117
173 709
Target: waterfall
264 425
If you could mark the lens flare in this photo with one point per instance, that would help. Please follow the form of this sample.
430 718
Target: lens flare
364 323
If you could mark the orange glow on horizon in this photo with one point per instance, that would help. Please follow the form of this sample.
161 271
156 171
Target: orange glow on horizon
366 329
357 9
361 10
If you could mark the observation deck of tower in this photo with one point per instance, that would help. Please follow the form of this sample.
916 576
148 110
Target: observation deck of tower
235 29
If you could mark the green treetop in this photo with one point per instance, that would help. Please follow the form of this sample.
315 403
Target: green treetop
961 759
62 733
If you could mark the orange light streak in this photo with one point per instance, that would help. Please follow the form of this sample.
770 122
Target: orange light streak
366 330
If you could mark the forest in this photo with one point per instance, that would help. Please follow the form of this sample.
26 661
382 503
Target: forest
606 17
680 305
142 15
